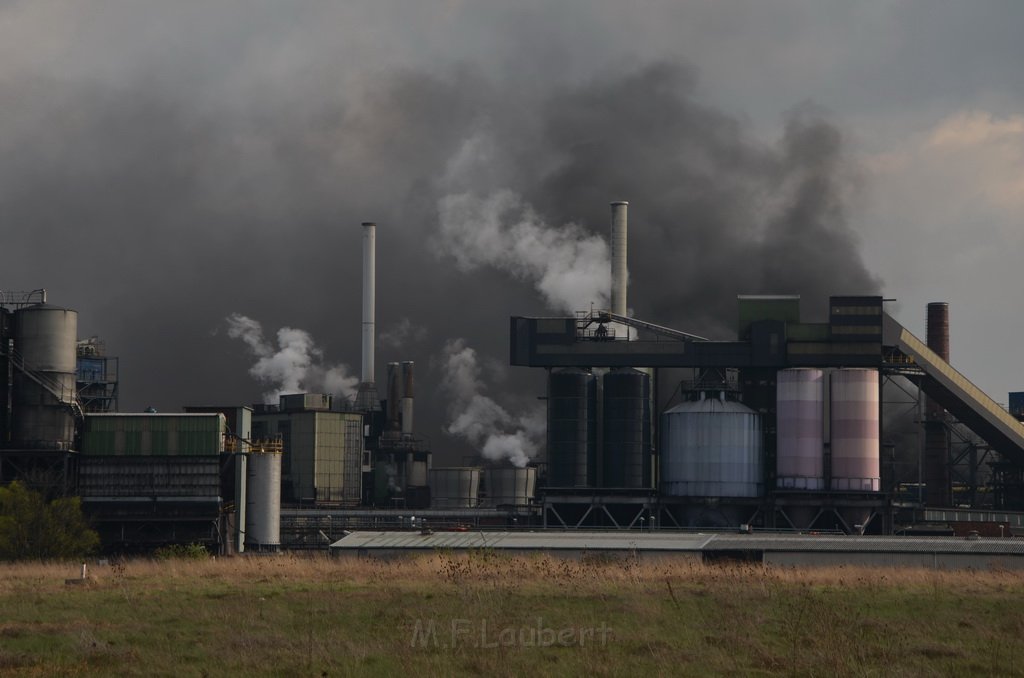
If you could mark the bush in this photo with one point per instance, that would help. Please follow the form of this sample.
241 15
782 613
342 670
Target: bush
32 528
185 551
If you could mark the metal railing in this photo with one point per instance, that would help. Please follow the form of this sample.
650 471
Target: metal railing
19 299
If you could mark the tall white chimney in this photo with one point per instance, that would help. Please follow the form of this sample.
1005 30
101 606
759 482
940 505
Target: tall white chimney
366 397
369 297
620 267
620 270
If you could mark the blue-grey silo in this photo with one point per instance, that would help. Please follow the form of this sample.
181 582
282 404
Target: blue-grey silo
711 447
572 428
626 445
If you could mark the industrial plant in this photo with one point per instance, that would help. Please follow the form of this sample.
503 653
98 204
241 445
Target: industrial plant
848 426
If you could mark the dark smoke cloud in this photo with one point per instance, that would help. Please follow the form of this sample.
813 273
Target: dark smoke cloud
156 215
713 213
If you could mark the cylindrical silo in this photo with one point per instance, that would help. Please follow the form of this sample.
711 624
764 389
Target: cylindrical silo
455 487
263 499
45 338
626 455
510 486
711 448
416 473
572 428
800 403
855 430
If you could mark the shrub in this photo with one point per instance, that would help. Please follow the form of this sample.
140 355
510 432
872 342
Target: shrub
32 528
186 551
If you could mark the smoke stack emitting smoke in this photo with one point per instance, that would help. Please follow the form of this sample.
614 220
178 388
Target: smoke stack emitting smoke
296 366
569 267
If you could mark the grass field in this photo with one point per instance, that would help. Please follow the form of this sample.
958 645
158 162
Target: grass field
498 615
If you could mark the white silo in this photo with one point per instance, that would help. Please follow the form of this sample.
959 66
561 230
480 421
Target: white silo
263 497
800 400
855 430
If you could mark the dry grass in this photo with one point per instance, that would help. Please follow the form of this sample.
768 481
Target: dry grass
298 615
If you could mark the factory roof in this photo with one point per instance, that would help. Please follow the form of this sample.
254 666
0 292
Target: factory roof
666 542
525 540
119 415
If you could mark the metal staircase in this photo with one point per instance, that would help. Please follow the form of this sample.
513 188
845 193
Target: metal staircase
52 385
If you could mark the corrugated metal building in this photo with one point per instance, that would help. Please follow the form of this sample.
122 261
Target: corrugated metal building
149 479
323 453
776 549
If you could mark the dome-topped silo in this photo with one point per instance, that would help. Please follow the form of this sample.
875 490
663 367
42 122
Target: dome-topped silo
45 339
711 447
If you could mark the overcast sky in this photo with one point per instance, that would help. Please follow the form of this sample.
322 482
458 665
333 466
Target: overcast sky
164 165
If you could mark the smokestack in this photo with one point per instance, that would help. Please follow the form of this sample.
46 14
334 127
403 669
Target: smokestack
366 397
937 477
938 328
369 297
393 397
620 271
407 398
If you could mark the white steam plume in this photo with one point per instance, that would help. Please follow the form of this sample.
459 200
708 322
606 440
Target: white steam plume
402 333
296 366
479 419
567 265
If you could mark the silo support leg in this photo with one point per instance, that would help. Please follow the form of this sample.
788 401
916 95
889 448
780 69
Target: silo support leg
555 513
662 512
586 514
638 516
610 516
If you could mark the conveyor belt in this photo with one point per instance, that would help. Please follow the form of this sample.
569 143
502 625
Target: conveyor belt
958 395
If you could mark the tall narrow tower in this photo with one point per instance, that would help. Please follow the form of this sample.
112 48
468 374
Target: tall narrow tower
366 396
937 477
620 271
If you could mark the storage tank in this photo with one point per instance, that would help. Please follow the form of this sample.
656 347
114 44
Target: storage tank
800 403
855 448
510 486
455 487
263 498
572 428
416 473
711 448
45 337
626 456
